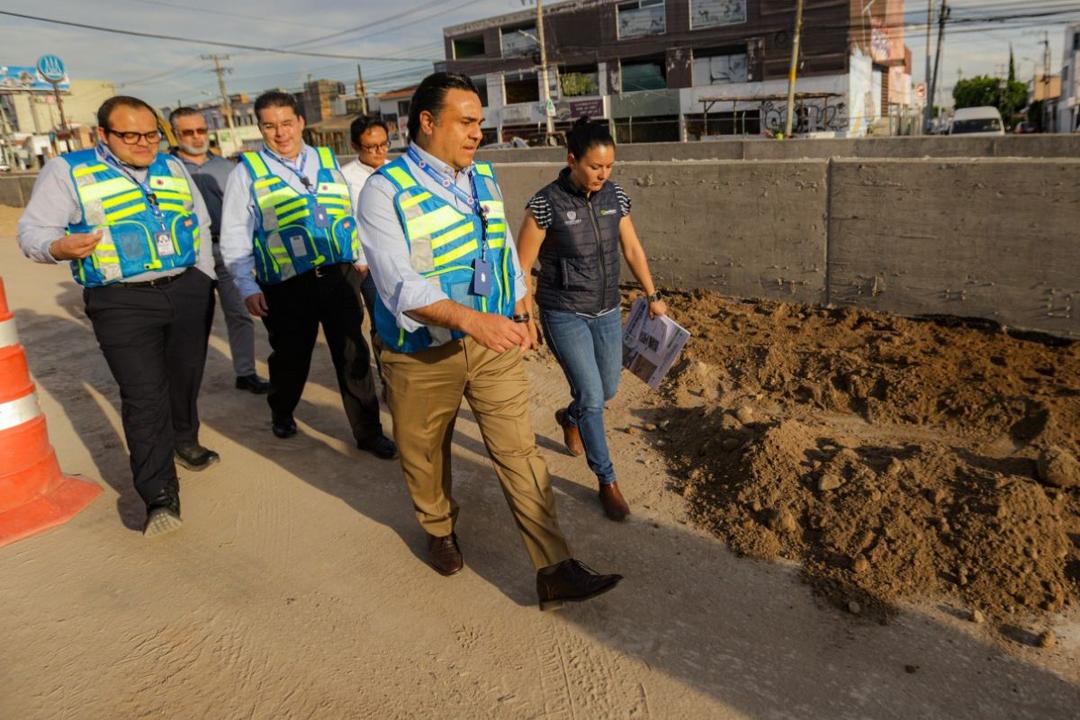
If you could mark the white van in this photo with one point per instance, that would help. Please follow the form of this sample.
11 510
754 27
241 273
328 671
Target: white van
984 120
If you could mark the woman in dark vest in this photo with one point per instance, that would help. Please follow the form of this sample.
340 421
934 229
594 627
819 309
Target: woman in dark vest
578 226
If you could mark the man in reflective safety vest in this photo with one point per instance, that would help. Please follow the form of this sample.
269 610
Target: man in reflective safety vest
288 236
132 225
451 317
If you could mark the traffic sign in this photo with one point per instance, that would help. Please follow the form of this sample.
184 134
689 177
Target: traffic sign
51 67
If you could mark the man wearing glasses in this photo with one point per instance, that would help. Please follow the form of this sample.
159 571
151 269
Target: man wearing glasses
210 173
132 225
288 236
370 139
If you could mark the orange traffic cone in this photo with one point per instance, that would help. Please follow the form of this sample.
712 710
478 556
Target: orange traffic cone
34 494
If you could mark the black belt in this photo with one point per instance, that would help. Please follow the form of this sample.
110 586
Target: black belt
322 271
157 282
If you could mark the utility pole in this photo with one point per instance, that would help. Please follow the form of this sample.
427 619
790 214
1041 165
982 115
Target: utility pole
226 106
1046 80
361 89
793 72
943 17
929 109
550 132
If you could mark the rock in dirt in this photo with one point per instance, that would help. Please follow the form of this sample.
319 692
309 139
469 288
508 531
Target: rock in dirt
977 617
730 444
1058 467
860 565
650 427
829 481
745 414
854 607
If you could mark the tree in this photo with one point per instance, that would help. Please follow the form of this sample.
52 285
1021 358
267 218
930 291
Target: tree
1008 96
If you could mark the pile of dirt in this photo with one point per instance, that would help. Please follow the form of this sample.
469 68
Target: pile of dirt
894 458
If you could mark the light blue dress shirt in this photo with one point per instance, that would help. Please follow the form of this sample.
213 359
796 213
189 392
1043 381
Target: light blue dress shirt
400 287
54 204
240 215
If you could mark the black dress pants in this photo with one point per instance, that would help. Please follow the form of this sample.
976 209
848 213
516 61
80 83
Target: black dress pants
329 296
154 340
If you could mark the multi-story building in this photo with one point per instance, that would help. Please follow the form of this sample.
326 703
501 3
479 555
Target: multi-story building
668 69
1068 109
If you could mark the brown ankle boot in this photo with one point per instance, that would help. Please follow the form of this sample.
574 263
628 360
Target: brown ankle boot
615 506
570 433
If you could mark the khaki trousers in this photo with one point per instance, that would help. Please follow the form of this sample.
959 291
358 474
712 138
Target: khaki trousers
424 392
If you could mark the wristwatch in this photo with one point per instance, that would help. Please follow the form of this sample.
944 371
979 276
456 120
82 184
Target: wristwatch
655 296
522 318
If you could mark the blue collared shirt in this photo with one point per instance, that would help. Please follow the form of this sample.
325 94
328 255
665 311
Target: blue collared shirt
400 287
240 215
54 204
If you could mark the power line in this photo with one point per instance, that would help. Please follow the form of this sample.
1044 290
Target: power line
174 38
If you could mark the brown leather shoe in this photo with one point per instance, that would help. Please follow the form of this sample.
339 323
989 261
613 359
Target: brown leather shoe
571 581
444 554
615 506
570 434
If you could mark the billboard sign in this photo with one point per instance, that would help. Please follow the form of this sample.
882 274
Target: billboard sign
24 78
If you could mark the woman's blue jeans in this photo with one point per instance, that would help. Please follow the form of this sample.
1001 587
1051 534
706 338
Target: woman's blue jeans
589 349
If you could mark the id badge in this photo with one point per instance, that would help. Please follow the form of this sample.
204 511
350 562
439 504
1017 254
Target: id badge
481 279
322 218
165 247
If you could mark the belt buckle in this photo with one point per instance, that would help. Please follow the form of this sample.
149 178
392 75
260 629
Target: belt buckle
322 271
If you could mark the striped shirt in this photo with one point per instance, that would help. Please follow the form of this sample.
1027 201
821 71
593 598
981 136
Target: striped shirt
541 211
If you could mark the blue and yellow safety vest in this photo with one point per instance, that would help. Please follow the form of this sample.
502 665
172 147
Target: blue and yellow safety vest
443 244
296 232
135 239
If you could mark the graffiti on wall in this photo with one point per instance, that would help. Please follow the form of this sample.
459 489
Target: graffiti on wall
810 116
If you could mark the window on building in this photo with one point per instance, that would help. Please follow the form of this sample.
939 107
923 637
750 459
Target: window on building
481 88
579 80
645 74
467 47
521 87
519 41
641 18
719 66
714 13
1076 42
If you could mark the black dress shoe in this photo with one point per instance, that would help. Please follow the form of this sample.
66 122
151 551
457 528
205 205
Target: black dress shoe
283 427
380 446
253 384
571 581
444 554
195 457
163 513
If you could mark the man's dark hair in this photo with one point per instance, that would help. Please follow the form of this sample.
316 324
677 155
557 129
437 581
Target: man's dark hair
362 124
116 101
182 111
585 134
276 98
431 94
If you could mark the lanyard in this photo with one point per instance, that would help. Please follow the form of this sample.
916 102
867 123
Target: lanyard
151 198
473 201
298 173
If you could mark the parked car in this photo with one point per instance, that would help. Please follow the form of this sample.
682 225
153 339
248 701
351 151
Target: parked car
977 121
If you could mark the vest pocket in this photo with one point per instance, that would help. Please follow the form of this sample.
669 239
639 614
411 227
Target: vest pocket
135 248
344 235
185 236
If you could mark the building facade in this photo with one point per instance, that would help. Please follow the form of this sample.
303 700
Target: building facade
685 69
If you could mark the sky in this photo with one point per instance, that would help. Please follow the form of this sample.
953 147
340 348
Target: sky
401 49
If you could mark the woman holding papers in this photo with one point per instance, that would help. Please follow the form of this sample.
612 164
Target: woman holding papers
579 227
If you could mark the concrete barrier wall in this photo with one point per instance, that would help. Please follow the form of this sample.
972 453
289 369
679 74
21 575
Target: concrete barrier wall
997 239
1051 146
990 238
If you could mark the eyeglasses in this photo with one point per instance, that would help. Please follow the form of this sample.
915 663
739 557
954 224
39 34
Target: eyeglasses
132 138
193 132
375 148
